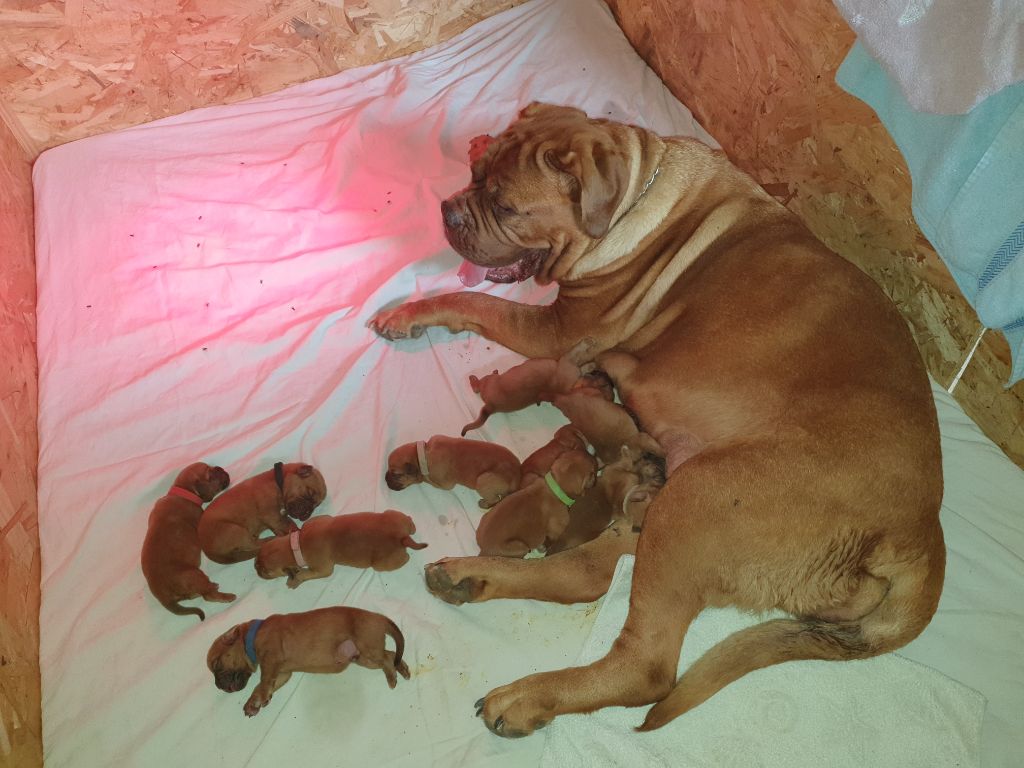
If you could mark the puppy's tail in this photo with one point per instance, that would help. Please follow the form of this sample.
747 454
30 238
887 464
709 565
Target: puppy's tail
903 612
484 413
408 543
396 634
181 610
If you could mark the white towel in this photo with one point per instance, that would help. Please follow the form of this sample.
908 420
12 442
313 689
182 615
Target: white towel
946 55
886 712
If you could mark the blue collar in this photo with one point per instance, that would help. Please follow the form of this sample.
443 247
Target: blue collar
250 637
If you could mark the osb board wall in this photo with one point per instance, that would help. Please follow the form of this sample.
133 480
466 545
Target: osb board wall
76 68
19 541
761 78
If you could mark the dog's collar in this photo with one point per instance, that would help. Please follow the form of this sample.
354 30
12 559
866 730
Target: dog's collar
250 641
556 489
421 456
184 493
293 540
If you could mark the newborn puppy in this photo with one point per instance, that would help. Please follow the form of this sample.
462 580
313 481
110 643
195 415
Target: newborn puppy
488 468
537 512
324 640
606 425
375 540
170 552
623 491
536 465
526 384
229 531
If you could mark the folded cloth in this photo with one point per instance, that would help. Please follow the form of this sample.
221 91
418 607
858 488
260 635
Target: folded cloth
968 197
946 55
885 712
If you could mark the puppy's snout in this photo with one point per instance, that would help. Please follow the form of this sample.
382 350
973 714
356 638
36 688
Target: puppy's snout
393 481
221 476
450 214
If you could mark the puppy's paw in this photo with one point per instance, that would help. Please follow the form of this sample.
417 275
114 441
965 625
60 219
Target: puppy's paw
292 582
516 710
448 587
252 707
395 324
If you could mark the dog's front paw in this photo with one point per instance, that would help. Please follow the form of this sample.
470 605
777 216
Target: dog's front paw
253 705
293 582
446 585
398 323
518 709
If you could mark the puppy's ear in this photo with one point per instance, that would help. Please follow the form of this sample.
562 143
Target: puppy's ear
305 470
231 636
601 175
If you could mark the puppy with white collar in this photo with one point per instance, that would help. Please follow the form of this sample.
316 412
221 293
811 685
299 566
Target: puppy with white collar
491 470
377 540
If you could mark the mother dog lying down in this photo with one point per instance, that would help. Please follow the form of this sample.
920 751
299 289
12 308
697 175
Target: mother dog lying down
792 404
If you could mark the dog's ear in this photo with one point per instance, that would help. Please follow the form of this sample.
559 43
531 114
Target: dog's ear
601 175
231 636
305 470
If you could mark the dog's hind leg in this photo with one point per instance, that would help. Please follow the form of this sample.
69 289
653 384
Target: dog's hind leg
578 575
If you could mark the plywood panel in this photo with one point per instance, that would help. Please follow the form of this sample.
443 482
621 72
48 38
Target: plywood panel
76 68
761 78
20 731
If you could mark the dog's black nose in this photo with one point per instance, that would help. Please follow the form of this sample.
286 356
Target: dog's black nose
450 215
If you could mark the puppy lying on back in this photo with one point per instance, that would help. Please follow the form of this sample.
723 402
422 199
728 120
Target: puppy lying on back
230 530
375 540
170 552
324 640
538 511
488 468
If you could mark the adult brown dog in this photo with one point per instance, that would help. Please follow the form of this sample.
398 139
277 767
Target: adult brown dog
326 640
377 540
792 404
170 552
230 529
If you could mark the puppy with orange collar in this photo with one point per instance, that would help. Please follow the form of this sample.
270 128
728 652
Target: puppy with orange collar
377 540
490 469
170 552
326 640
539 511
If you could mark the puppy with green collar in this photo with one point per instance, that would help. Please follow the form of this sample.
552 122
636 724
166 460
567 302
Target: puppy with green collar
326 640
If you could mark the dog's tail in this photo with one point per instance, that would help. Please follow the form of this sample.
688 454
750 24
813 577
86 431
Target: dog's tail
484 413
181 610
898 618
408 543
396 634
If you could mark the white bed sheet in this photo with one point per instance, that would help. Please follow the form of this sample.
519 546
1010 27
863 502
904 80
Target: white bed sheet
203 287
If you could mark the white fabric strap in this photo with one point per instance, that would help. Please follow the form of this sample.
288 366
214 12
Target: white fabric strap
625 499
293 539
421 455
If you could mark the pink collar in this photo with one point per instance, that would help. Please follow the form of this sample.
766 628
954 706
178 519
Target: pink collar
293 539
185 494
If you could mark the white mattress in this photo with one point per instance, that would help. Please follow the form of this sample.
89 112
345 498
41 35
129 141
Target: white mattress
203 287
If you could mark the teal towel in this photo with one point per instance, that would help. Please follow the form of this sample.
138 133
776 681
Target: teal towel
968 190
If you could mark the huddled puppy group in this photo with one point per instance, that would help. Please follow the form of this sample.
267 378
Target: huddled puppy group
595 471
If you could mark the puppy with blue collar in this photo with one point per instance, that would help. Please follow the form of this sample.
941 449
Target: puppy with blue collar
326 640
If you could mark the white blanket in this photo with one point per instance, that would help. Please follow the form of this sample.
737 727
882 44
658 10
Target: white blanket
204 282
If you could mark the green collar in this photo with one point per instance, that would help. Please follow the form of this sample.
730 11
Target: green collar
557 490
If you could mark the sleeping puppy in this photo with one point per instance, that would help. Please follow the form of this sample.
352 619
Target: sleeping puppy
230 530
535 381
170 552
491 470
375 540
324 640
623 491
607 426
539 511
565 439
